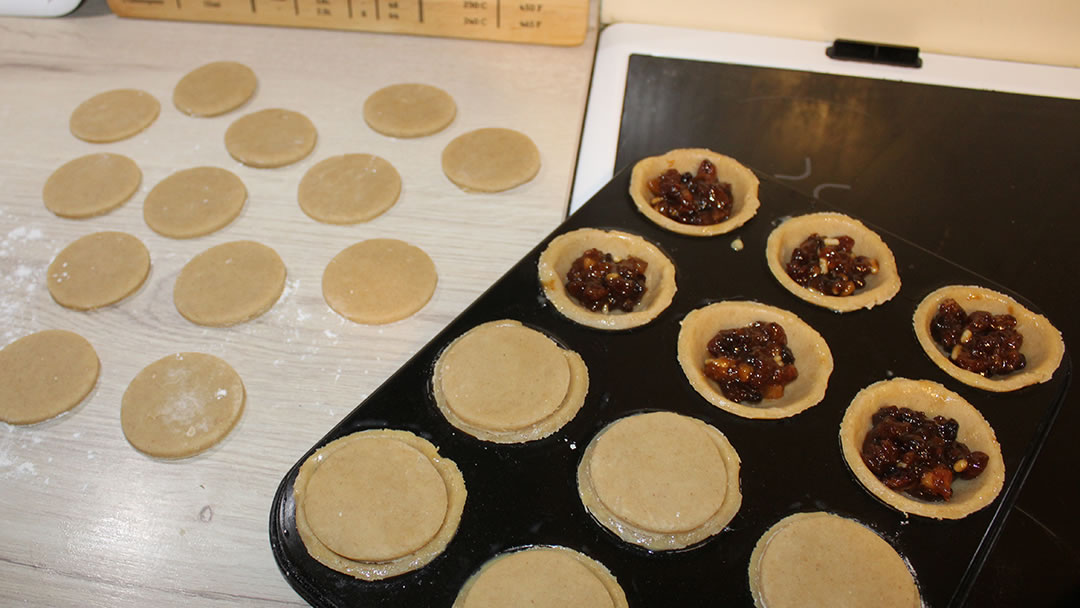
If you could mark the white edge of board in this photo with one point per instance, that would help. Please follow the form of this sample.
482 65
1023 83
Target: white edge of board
596 155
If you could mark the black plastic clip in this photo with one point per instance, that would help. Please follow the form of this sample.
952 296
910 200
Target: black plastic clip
873 52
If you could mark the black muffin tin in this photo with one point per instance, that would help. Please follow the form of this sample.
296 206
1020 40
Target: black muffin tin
520 495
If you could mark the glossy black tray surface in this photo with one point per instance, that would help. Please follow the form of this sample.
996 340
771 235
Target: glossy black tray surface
522 495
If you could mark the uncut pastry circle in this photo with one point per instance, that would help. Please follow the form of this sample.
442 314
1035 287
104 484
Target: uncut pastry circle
45 374
541 577
348 189
660 480
91 185
270 138
379 281
821 560
409 110
491 160
214 89
785 238
933 399
181 405
559 255
507 383
744 188
194 202
377 503
98 270
114 115
229 284
812 357
1043 347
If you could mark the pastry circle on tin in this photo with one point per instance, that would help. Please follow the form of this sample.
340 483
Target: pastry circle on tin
556 259
744 188
785 238
813 358
660 480
377 570
541 577
507 383
1043 347
932 399
821 559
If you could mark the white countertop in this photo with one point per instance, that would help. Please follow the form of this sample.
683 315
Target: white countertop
86 519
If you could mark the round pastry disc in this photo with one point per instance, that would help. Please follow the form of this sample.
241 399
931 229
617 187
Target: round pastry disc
181 405
504 377
348 189
659 472
491 160
214 89
270 138
541 577
114 115
375 500
379 281
229 284
194 202
409 110
811 560
44 375
91 185
97 270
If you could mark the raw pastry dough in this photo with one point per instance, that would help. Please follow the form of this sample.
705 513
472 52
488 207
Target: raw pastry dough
114 115
97 270
660 480
349 189
377 503
91 185
230 283
409 110
379 281
541 577
507 383
932 399
1043 347
181 405
812 357
821 560
559 255
270 138
787 237
744 188
214 89
194 202
44 375
491 160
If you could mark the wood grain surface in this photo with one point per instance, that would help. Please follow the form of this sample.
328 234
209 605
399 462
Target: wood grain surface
86 519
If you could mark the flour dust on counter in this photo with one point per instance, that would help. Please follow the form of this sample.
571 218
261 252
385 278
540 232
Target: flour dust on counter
271 138
349 189
91 185
215 89
194 202
114 115
409 110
